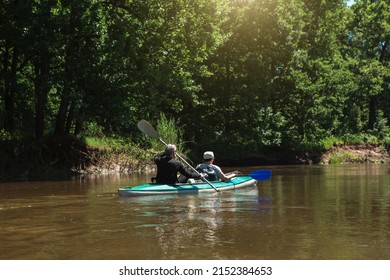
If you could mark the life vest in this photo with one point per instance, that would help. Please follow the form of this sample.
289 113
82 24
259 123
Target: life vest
209 171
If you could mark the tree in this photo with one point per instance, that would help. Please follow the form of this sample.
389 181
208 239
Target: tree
14 20
283 64
159 51
82 29
317 77
369 39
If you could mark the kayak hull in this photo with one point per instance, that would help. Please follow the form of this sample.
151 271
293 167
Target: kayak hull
187 188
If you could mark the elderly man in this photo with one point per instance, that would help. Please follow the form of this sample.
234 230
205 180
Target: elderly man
168 167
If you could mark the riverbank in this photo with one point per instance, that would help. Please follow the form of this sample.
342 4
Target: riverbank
337 154
356 154
54 159
62 159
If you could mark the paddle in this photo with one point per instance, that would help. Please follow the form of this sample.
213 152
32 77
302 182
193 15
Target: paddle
149 130
260 175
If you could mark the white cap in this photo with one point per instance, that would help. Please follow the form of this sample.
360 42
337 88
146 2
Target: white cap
208 155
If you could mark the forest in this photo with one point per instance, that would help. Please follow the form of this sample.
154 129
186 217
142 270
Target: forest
235 76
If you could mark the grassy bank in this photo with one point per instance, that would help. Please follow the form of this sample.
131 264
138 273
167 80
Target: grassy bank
347 149
361 148
53 158
61 158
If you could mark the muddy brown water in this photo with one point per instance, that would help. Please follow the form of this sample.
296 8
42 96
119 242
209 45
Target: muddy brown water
303 212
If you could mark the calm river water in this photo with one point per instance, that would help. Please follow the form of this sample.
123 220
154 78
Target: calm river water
304 212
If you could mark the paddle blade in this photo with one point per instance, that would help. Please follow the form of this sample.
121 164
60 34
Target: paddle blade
148 129
260 175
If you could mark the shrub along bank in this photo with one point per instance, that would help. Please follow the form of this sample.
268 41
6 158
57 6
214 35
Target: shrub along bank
53 159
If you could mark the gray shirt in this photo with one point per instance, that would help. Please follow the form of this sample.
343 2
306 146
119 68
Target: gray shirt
211 167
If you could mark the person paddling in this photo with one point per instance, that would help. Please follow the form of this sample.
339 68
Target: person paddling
214 172
168 168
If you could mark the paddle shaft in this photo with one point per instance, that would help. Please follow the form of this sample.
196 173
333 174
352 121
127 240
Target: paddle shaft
192 168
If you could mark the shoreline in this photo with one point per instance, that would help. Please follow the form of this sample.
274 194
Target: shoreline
22 161
338 154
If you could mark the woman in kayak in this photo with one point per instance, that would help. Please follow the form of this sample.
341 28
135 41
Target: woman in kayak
214 172
168 167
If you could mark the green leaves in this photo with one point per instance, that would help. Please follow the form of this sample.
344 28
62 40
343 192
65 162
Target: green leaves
244 73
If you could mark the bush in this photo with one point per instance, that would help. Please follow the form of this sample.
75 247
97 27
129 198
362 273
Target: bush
170 133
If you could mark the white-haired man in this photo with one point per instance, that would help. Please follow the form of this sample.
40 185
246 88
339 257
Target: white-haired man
168 167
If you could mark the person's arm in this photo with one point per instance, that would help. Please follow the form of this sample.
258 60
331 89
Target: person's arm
226 177
158 157
187 173
223 176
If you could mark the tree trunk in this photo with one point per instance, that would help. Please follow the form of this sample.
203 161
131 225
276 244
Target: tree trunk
372 117
79 121
65 112
372 112
6 82
61 116
70 118
41 91
10 88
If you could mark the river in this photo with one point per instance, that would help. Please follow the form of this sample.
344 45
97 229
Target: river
313 212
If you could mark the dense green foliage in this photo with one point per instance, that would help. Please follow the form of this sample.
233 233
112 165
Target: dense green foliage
235 76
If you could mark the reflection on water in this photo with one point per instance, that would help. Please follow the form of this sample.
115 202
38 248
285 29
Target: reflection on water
303 212
195 223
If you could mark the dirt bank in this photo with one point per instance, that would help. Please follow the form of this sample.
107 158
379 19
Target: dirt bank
53 159
356 154
342 154
56 160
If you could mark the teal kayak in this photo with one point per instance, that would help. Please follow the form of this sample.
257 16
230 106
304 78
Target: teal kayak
187 188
